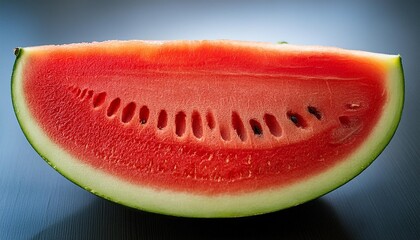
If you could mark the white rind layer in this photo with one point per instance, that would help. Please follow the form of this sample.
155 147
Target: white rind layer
193 205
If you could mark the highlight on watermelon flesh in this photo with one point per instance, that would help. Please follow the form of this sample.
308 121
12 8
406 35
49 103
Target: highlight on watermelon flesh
207 128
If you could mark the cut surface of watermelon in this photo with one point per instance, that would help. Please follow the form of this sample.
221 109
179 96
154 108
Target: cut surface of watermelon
207 128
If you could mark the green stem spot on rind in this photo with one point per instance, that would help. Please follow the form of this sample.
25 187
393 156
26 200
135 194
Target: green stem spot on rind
16 51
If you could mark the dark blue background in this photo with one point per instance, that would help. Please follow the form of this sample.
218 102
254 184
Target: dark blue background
381 203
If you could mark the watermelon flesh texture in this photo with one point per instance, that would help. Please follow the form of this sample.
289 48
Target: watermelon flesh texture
207 128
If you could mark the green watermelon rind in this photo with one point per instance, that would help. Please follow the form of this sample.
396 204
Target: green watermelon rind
192 205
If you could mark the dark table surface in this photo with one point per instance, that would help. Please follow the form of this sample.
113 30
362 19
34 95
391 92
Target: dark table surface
382 203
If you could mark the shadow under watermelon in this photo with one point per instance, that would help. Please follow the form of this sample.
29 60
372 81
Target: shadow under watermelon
106 220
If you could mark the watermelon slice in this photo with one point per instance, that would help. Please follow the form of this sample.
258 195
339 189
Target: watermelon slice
207 128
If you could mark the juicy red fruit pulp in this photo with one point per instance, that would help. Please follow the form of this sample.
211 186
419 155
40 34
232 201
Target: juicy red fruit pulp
205 118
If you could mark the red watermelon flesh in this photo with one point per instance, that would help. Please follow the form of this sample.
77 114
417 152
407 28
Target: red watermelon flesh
214 121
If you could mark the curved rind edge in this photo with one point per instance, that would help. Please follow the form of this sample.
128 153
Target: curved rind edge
192 205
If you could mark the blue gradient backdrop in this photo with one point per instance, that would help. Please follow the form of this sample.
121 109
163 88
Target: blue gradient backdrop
382 203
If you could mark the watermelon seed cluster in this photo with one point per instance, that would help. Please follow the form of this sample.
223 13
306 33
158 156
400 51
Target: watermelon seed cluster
129 111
